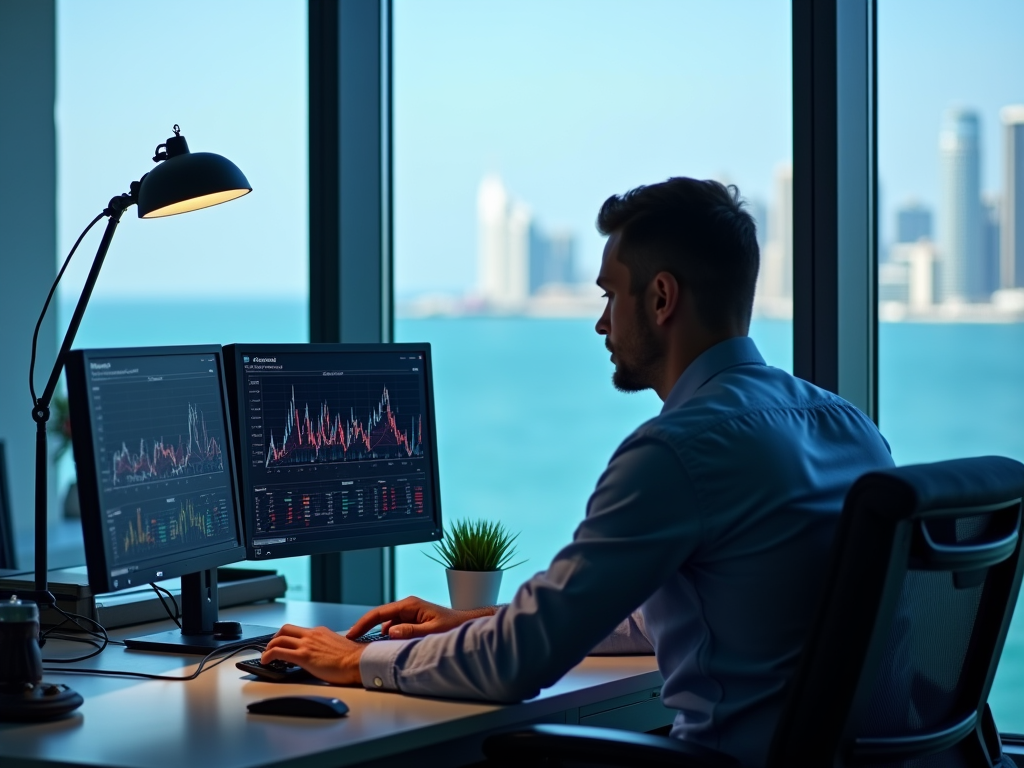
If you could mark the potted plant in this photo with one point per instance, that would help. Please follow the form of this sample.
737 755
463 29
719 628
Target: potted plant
475 555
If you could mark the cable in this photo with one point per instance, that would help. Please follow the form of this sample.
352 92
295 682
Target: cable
176 616
98 638
46 304
199 670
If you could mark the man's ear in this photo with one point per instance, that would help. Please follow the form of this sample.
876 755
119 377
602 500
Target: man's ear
666 290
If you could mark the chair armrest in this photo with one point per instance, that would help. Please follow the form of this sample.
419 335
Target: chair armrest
600 746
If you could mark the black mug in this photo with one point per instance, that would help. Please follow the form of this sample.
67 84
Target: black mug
21 663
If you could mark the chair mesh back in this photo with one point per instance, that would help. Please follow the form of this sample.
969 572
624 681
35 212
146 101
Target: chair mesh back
918 687
926 570
918 678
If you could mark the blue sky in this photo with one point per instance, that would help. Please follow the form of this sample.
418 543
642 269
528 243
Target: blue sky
569 101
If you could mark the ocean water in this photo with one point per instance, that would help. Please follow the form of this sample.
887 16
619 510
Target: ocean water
527 416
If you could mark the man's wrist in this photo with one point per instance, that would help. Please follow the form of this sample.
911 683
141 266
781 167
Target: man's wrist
476 613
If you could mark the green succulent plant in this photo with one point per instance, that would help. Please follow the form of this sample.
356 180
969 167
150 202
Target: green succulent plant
476 546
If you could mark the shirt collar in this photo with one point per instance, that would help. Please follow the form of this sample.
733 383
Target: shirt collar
739 350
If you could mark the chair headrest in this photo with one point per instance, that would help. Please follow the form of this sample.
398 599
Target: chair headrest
974 482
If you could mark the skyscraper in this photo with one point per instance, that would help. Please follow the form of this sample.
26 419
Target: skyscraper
492 232
759 212
503 249
990 227
960 213
551 258
776 278
1012 235
517 275
913 221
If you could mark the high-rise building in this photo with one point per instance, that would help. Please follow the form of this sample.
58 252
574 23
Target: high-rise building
913 222
520 223
990 227
552 256
503 250
918 259
492 244
960 212
759 212
776 277
1012 220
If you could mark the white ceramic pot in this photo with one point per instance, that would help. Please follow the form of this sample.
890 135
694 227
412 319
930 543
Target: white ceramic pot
473 589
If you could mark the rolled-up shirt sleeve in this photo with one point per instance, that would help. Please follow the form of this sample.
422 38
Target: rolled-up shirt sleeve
642 523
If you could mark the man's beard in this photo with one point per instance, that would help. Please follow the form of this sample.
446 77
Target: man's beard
637 357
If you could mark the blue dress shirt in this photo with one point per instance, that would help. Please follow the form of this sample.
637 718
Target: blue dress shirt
715 520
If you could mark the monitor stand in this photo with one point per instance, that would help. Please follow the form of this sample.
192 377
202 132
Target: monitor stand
198 615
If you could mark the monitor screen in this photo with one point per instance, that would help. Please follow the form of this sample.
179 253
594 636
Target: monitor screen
336 446
152 446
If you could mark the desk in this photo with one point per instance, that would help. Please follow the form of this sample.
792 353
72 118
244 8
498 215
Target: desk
204 724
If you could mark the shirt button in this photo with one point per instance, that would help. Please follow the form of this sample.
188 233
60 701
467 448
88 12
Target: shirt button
378 682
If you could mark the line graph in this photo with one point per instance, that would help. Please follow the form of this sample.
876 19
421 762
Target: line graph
164 425
196 453
320 435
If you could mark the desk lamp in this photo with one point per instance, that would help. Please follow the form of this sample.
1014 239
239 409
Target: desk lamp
182 181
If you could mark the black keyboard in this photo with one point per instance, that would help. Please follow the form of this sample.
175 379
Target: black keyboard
372 637
276 671
284 671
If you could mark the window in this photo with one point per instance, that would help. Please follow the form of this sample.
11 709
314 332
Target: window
951 272
233 76
513 122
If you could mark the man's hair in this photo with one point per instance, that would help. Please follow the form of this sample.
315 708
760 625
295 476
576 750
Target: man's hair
699 232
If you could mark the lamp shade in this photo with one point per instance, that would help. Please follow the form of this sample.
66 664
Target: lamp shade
189 181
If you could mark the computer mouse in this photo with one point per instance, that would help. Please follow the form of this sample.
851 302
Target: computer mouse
300 706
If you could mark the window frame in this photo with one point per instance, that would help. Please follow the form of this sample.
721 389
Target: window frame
835 245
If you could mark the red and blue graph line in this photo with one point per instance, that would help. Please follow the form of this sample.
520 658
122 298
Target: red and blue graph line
198 454
322 438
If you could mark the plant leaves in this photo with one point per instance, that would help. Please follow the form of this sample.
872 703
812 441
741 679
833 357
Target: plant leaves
478 545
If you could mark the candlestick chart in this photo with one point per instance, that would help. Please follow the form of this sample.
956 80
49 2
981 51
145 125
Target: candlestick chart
167 525
368 422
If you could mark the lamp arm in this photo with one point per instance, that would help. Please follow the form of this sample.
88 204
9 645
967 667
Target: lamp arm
41 404
114 210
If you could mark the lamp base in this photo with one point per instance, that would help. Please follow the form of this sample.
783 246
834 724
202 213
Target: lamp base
43 701
42 599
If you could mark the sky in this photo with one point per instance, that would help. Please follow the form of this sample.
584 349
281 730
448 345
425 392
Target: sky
568 101
934 55
232 74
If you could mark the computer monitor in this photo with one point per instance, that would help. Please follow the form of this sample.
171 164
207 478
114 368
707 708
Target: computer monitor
336 446
153 451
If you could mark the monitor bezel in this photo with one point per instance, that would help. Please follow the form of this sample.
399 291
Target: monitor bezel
233 358
93 533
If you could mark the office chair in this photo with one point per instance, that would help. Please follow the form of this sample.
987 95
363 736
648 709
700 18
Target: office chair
925 572
6 524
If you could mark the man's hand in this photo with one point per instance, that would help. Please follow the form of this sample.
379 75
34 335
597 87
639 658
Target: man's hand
413 617
319 651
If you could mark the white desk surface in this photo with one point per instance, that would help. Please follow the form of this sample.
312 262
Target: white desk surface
162 724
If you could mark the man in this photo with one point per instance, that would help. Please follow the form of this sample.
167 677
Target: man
707 536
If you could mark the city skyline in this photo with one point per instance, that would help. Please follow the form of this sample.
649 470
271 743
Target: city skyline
468 102
934 266
966 253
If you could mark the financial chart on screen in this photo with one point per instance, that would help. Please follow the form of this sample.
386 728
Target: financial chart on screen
159 442
335 446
